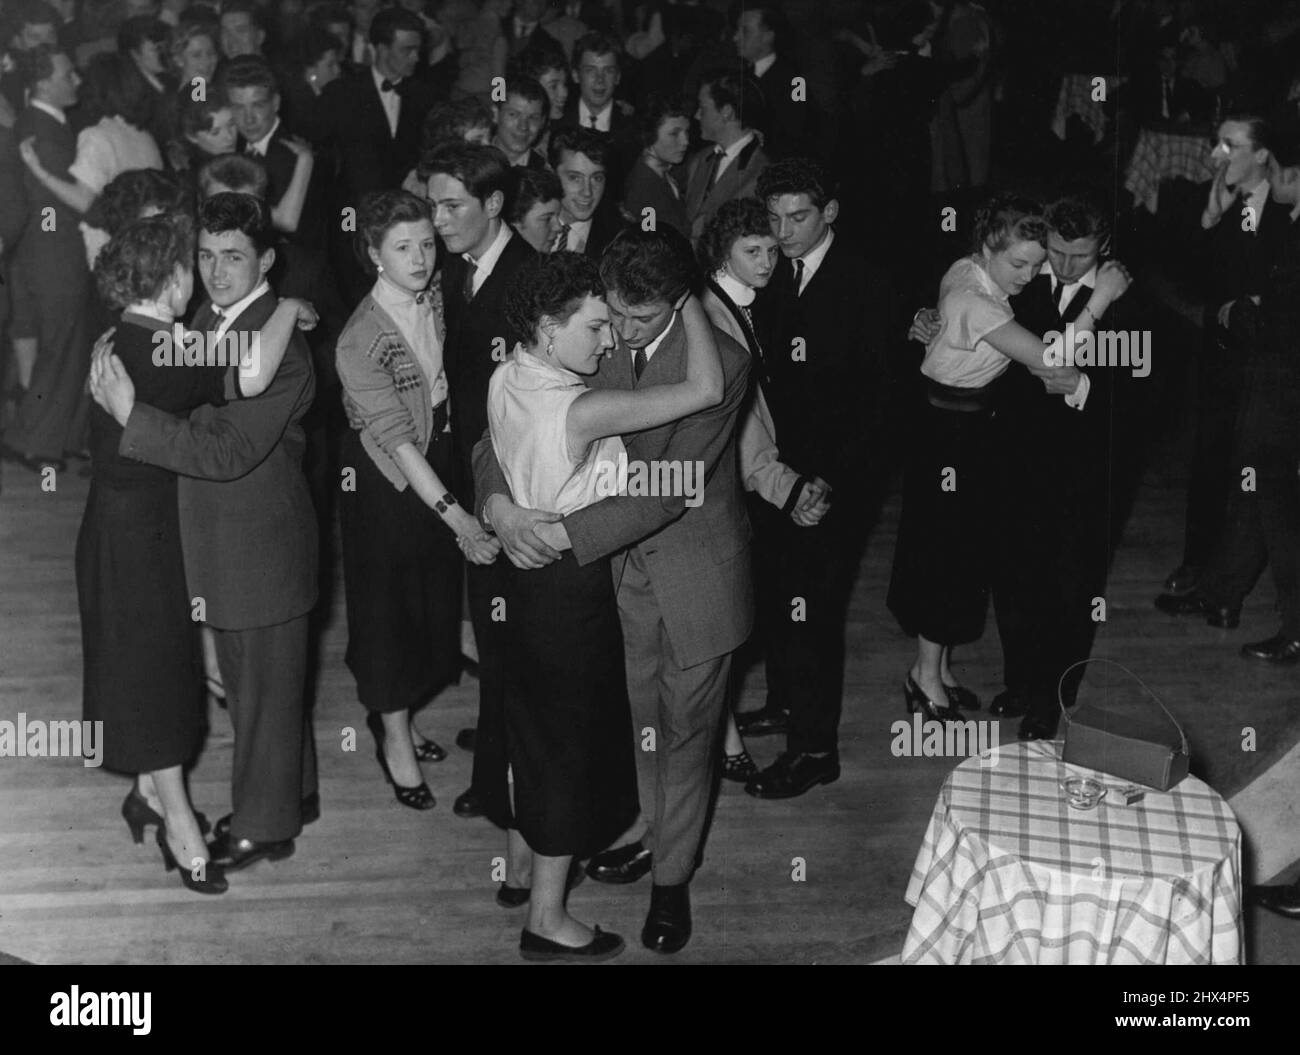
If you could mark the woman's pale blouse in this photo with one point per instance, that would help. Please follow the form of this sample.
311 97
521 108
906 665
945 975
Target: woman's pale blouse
109 148
528 413
972 307
418 325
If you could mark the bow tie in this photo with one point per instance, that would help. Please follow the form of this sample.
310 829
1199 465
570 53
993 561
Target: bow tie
388 86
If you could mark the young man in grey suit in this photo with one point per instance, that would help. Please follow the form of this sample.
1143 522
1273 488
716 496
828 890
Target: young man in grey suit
685 594
249 536
730 114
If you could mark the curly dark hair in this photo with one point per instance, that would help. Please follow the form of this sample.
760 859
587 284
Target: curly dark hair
532 186
1008 218
140 259
797 176
738 218
230 211
113 88
553 285
1079 216
647 266
239 172
130 194
657 110
596 146
383 210
451 121
199 115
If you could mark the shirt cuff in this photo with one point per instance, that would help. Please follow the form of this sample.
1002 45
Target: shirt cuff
1080 395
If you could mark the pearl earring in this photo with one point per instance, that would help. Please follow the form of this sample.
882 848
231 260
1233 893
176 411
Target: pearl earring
379 268
550 349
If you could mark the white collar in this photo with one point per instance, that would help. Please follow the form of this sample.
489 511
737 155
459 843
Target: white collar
379 81
741 295
761 66
732 152
491 255
260 147
1088 278
812 260
391 296
1257 199
154 82
231 314
653 346
53 111
585 112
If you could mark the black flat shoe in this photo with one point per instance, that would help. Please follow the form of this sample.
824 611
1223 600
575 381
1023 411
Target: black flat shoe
1284 900
1220 616
214 875
602 946
766 721
916 699
427 750
960 696
1008 704
512 896
310 815
137 813
1277 649
466 739
468 804
793 774
668 925
232 854
738 767
626 864
1182 579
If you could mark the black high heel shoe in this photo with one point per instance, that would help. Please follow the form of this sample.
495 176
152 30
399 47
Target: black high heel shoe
137 813
427 750
917 700
214 876
416 798
961 697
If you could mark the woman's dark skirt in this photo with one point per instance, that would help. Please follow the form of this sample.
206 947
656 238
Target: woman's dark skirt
141 664
945 554
402 574
568 721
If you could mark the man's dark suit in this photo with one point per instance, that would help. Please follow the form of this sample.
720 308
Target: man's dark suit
792 128
477 342
368 157
13 217
825 354
1067 477
646 189
52 287
685 594
624 136
606 222
249 536
707 191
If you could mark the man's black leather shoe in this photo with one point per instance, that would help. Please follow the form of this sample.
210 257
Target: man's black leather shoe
668 924
1037 728
1182 579
233 854
1221 616
626 864
793 774
1008 704
468 805
1284 900
310 815
766 721
466 739
1276 649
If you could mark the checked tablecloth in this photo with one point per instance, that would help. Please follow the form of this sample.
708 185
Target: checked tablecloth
1163 154
1008 873
1076 98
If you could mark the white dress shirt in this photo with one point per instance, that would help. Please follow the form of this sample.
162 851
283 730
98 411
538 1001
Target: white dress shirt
53 111
761 66
259 148
812 260
418 327
653 346
229 315
602 119
391 101
1062 300
576 240
729 154
483 265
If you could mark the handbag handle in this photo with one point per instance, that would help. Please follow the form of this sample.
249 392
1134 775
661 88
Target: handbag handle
1083 662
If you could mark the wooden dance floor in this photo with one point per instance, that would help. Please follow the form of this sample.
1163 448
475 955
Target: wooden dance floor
373 882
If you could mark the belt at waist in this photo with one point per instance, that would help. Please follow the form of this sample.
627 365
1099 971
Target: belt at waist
967 400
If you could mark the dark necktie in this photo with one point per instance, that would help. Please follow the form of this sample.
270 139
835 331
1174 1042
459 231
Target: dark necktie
715 159
388 86
638 363
467 290
562 239
798 278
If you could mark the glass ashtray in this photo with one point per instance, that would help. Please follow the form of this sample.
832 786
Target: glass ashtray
1083 793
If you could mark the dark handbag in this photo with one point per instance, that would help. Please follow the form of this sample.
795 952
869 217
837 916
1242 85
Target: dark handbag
1153 753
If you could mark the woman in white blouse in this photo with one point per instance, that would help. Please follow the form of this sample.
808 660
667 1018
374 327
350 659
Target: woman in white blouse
738 253
568 722
114 142
939 588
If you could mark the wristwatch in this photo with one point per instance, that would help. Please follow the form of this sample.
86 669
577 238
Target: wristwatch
444 503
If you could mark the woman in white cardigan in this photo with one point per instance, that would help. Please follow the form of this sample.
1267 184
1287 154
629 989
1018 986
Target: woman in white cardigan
739 254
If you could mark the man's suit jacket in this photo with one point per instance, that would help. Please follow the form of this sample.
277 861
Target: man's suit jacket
624 135
738 180
644 188
53 256
793 128
280 161
248 528
606 223
826 354
698 556
478 338
1239 261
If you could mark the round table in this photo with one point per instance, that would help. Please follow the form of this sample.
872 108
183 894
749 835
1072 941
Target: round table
1008 873
1164 153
